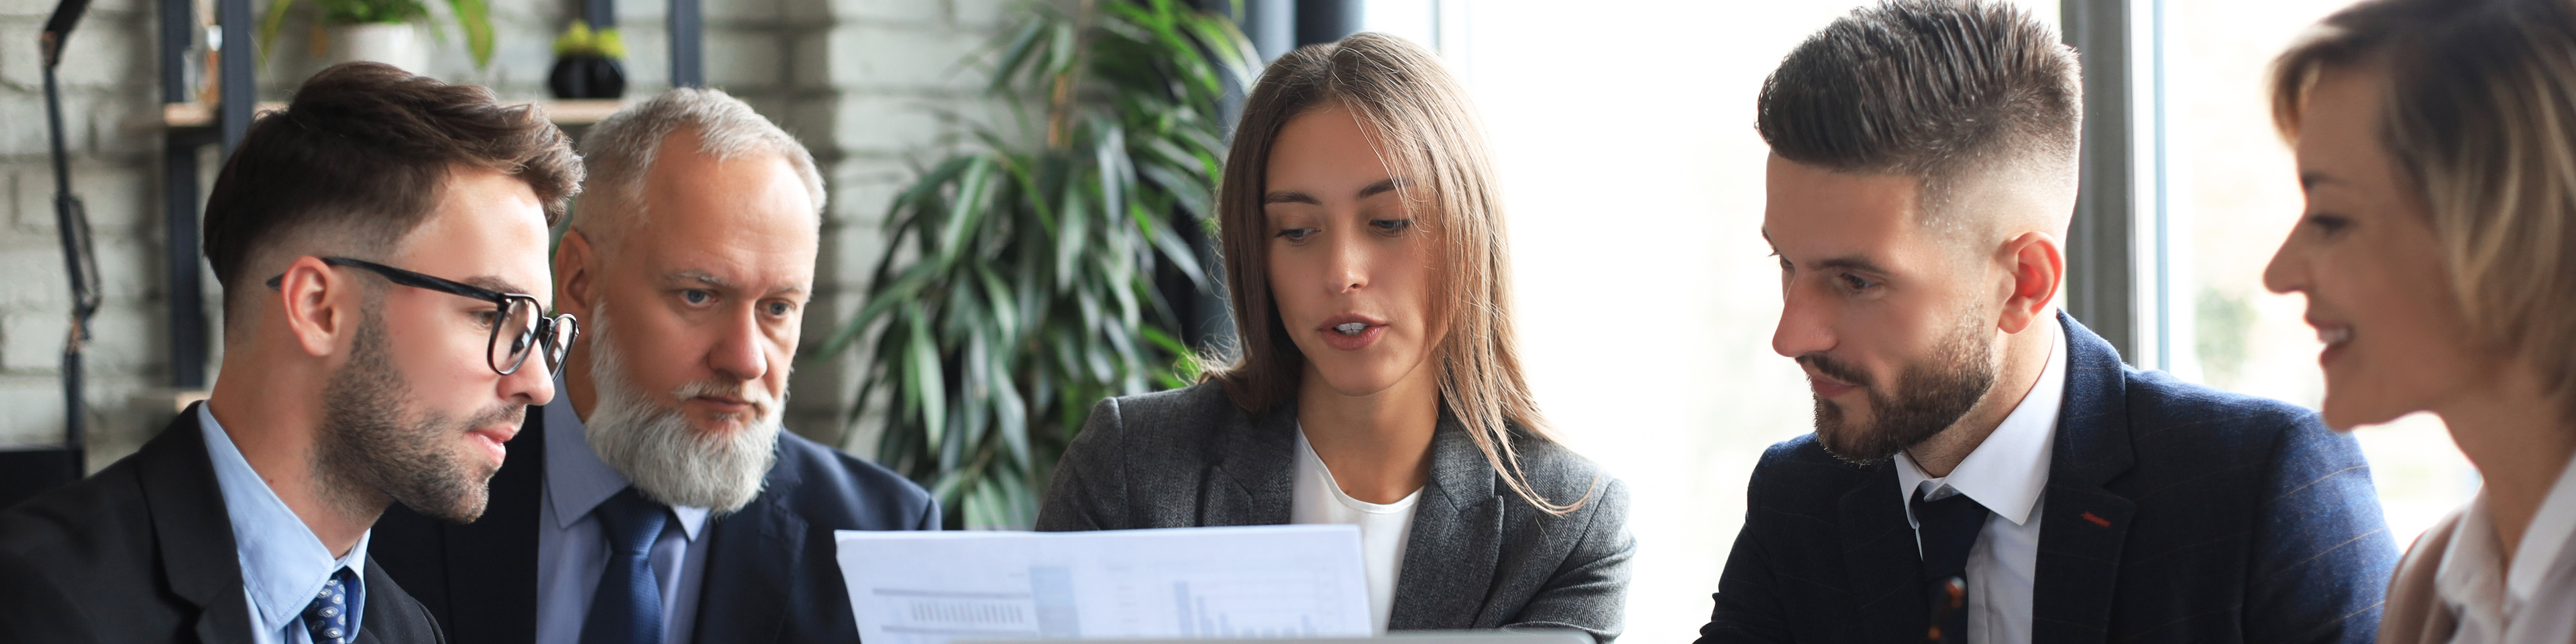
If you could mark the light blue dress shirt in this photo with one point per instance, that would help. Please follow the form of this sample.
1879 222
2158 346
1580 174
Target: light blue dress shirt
571 552
283 564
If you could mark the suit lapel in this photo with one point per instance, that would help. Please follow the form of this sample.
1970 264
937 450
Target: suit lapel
1885 567
194 530
1457 535
750 564
492 562
2084 525
1253 481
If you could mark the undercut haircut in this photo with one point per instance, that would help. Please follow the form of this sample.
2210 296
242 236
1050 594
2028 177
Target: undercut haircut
1942 90
620 151
358 160
2478 115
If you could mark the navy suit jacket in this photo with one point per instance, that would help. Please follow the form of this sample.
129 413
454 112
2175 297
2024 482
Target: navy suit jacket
2174 513
143 552
771 573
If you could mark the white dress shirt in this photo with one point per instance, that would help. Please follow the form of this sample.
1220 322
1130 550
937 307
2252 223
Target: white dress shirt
2008 474
283 565
1384 527
2530 599
572 554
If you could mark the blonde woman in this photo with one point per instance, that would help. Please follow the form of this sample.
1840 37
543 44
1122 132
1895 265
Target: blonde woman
1378 384
2437 143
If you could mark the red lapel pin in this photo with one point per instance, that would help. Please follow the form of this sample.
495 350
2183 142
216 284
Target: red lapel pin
2088 516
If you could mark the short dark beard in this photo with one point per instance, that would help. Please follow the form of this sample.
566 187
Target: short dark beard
366 456
1929 397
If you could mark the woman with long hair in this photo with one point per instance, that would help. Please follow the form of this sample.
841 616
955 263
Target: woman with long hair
2436 140
1377 381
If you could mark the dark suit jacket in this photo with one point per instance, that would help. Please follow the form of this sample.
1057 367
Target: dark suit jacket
1478 556
2174 513
143 552
771 573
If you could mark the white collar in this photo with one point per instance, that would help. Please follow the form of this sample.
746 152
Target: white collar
2471 566
2008 471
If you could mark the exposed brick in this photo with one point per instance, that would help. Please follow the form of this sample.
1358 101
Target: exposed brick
36 269
870 56
35 407
898 11
736 11
32 341
743 58
880 123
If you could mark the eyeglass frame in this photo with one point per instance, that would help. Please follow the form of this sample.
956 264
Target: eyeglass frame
540 335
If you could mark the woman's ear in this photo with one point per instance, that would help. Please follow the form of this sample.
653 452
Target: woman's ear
2038 268
314 301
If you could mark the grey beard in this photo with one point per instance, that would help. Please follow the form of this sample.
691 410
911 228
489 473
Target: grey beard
660 452
367 455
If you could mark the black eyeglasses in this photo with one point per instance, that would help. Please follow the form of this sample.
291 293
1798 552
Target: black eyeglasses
520 313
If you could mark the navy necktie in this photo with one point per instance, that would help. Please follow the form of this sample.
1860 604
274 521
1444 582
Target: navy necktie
1948 529
627 608
327 618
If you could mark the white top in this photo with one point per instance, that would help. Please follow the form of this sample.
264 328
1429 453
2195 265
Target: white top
2006 473
1384 528
2530 599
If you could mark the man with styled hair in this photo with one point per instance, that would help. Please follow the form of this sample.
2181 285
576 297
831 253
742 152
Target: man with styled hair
381 245
659 502
1983 468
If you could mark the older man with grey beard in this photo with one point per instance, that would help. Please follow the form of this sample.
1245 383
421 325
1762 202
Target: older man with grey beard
656 501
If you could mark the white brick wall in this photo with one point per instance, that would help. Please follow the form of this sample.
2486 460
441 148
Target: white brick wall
864 82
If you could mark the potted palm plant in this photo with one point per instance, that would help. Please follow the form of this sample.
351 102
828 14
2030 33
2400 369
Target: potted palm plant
1018 287
385 31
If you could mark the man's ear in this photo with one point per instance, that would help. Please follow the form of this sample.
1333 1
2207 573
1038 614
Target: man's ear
572 275
2038 266
314 301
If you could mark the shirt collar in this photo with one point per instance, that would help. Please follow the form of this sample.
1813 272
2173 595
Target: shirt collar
2472 573
283 564
577 481
2008 471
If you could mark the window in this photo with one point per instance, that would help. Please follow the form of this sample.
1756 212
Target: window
1646 301
2230 197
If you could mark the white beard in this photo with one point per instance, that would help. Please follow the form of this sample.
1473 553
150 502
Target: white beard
661 453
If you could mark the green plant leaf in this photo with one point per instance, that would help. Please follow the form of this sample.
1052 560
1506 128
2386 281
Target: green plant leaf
269 24
1018 286
476 18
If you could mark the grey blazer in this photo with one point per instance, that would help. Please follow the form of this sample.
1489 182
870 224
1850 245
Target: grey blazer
1478 557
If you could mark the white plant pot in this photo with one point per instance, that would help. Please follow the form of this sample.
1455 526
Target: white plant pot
397 44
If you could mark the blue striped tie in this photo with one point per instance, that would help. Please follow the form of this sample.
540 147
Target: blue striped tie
627 608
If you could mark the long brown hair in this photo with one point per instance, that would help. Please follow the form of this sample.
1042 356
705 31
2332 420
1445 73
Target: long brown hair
1429 134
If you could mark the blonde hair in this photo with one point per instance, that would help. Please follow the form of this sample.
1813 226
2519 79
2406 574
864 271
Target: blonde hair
2479 116
1429 135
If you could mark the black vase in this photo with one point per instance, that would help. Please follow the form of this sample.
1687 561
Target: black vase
582 76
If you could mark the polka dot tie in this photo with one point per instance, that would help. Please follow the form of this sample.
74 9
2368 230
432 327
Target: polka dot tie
328 616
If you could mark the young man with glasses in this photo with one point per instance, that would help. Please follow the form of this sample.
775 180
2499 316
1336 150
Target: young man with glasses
381 243
659 501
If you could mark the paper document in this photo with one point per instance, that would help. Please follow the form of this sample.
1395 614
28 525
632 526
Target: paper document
1261 581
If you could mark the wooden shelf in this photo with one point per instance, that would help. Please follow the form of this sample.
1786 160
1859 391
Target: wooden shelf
575 112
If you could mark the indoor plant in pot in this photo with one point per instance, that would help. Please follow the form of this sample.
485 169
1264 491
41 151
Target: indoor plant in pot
586 63
1018 283
385 31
